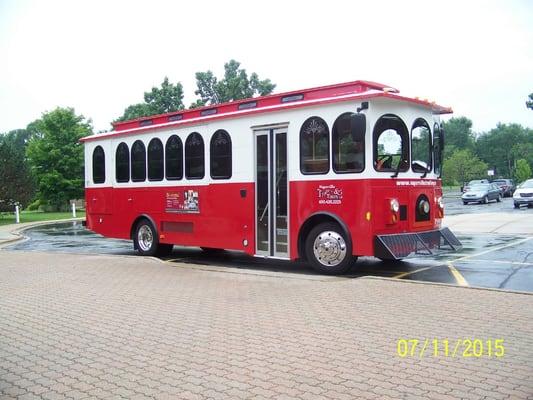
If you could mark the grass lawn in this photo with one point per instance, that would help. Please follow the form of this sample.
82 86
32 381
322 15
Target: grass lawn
33 216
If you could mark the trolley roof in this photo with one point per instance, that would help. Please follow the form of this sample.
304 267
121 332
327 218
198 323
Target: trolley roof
357 90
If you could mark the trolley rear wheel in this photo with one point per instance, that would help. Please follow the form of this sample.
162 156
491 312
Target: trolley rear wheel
146 240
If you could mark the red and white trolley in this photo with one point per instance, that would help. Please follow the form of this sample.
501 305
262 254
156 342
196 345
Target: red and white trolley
324 174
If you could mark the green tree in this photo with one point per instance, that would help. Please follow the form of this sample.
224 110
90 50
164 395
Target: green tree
159 100
463 166
56 155
234 86
498 147
524 150
523 170
458 135
16 183
529 103
136 111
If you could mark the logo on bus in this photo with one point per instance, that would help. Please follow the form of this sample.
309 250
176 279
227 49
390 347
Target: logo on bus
186 203
329 194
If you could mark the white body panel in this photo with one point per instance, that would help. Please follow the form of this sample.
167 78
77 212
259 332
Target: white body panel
241 131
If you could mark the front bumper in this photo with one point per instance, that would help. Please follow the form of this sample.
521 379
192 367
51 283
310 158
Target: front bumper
473 198
523 200
401 245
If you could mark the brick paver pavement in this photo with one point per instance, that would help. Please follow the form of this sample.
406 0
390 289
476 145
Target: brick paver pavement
107 327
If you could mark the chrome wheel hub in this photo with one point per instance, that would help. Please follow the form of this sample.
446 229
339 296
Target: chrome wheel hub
145 238
329 248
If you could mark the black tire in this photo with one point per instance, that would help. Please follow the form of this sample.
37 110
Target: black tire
485 200
516 205
146 240
340 258
499 198
465 203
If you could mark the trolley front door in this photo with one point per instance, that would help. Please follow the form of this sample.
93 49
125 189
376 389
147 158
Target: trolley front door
271 219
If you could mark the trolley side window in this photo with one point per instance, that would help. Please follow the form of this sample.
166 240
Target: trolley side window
421 146
98 165
155 160
348 153
194 156
220 153
138 162
314 146
437 148
122 163
174 158
391 144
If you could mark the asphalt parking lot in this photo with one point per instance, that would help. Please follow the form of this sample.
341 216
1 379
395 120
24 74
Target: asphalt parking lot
503 261
454 206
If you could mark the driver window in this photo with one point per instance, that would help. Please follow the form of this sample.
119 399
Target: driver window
390 144
421 146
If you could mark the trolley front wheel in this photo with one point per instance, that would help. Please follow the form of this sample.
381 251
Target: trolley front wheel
328 249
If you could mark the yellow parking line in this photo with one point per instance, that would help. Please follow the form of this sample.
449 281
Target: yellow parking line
175 259
461 281
403 274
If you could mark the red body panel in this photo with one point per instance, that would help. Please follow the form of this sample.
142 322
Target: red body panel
351 200
226 211
224 220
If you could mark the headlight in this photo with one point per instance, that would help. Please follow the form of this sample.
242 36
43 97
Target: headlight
423 206
394 205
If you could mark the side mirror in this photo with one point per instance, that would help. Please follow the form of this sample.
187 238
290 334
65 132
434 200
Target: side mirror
358 127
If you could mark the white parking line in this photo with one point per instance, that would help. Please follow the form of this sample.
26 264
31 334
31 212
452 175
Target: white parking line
492 250
500 262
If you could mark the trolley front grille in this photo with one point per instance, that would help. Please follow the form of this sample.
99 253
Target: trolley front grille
401 245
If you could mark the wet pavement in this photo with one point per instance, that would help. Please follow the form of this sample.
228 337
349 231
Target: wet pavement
486 260
70 237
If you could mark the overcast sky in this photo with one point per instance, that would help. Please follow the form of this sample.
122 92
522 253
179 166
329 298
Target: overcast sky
101 56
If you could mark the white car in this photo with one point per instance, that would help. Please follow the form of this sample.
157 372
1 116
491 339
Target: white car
524 194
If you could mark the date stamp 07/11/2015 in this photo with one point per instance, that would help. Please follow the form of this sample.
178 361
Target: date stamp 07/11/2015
463 347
